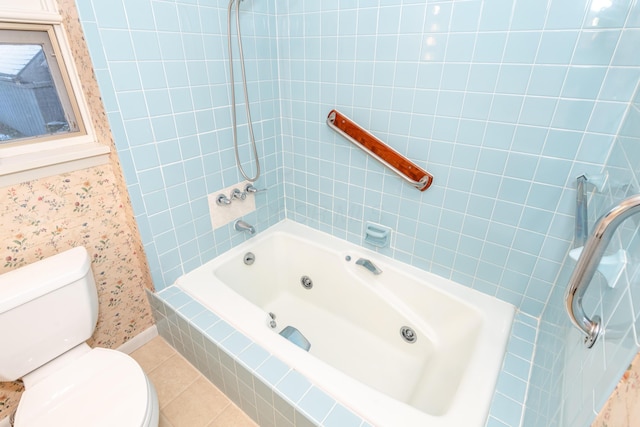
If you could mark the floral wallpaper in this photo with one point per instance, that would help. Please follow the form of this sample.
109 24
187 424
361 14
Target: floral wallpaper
88 207
623 407
82 208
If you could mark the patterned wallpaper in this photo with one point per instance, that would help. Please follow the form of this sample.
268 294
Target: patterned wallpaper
622 408
88 207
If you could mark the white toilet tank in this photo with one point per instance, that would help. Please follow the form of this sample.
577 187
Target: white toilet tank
46 308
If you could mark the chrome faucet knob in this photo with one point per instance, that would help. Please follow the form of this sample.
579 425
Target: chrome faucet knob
222 200
238 195
250 188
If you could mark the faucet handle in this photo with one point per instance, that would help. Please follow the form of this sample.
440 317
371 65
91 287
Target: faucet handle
222 200
238 195
249 188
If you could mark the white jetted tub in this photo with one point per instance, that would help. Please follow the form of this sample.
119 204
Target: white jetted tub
400 348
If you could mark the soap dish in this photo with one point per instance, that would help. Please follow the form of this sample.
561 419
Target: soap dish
377 235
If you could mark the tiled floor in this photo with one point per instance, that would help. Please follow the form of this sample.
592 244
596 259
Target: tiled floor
186 397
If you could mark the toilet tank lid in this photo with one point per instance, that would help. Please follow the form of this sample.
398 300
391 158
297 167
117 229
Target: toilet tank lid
39 278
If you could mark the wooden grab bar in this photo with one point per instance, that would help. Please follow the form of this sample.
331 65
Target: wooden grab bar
386 155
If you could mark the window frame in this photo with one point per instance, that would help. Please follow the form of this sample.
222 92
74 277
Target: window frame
33 158
43 35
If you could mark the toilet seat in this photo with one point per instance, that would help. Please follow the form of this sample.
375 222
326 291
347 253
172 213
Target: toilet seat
100 388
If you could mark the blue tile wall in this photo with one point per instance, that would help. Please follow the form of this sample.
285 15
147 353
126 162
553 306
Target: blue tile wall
504 102
163 74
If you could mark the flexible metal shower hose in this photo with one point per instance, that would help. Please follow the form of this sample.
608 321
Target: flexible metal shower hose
246 96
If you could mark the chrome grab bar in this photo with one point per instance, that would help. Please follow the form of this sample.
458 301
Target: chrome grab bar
588 263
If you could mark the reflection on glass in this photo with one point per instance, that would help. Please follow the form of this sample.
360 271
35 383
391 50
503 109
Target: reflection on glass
29 102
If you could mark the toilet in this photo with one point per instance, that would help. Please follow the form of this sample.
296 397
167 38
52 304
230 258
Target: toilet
48 310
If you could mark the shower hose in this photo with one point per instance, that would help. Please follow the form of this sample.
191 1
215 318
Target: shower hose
246 96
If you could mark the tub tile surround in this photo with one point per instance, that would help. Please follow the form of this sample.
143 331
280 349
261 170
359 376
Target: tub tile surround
273 394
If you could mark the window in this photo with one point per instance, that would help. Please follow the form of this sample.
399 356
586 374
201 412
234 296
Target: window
34 100
44 122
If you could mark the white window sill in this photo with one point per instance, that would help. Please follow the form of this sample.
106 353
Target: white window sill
19 168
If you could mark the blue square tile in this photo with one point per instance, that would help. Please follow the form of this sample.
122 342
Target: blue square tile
145 157
342 417
572 114
125 76
584 82
139 14
556 47
117 45
165 15
132 105
110 15
236 343
547 80
626 51
596 47
529 15
566 15
177 300
273 370
254 356
293 385
191 310
496 15
139 131
316 404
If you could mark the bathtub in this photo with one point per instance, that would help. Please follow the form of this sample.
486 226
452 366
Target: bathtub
400 348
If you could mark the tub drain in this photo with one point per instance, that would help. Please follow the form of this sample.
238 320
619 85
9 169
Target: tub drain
306 282
408 334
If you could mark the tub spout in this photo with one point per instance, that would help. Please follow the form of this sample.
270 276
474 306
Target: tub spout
241 225
369 265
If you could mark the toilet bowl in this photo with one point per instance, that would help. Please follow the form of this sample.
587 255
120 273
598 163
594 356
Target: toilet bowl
51 306
96 387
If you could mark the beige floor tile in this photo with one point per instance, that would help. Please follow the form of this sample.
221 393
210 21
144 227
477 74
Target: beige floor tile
186 398
197 406
164 422
171 378
152 354
233 416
